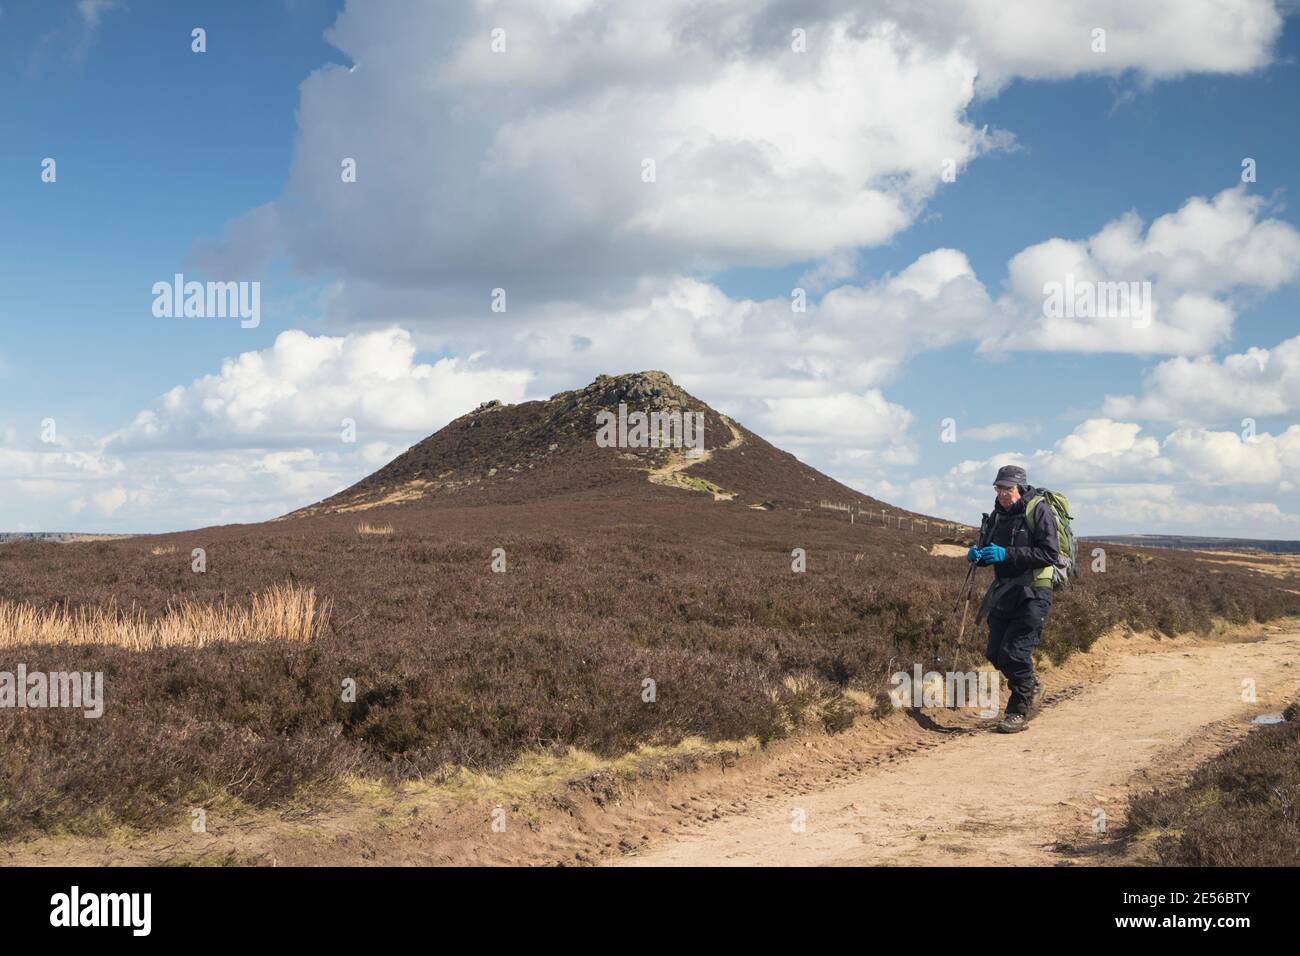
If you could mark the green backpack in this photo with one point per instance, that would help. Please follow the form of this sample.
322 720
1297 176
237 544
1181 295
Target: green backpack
1059 575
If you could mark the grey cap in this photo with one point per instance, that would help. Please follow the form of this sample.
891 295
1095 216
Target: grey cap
1009 475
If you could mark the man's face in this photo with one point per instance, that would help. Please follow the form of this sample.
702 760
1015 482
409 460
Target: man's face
1007 496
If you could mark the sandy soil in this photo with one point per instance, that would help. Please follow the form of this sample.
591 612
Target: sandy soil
670 473
949 550
933 787
1017 800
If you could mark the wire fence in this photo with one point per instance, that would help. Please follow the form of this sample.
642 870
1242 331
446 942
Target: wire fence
903 522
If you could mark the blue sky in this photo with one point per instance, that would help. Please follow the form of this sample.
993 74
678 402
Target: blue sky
480 169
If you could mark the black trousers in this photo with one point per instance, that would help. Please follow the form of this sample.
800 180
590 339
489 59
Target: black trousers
1015 628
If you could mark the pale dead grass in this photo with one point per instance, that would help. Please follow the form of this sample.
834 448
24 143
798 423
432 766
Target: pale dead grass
949 551
367 528
411 491
285 612
537 772
1274 565
157 550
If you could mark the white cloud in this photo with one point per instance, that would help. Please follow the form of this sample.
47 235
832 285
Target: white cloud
376 454
261 437
856 421
1169 509
1197 261
523 168
1158 39
762 155
109 500
1192 482
838 266
740 352
1100 450
170 489
303 387
1252 384
1227 458
1102 445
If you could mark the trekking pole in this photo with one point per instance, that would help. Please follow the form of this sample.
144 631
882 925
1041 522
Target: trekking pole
963 596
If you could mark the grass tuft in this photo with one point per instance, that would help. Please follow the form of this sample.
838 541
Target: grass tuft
285 612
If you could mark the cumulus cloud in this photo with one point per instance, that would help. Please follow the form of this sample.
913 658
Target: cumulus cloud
1193 481
840 418
264 434
261 437
1120 507
109 500
168 488
1157 39
1197 261
1229 458
525 169
524 166
303 387
745 351
1252 384
1101 450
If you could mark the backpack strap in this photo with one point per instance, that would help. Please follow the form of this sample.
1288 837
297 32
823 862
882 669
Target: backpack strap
1035 577
1030 505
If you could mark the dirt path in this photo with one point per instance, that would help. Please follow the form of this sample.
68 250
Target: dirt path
995 799
671 473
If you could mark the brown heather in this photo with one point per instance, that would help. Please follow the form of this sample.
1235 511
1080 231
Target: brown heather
1240 809
610 580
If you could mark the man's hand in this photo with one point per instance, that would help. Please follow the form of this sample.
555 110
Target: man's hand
973 554
993 554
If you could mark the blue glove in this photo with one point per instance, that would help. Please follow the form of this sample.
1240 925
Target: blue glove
993 554
973 554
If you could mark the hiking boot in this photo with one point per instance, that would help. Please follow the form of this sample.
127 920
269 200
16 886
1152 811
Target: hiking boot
1036 702
1013 724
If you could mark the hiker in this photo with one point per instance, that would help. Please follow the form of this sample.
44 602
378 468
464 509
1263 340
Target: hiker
1023 549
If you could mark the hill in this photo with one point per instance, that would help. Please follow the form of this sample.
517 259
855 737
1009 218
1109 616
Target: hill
56 537
1199 543
505 454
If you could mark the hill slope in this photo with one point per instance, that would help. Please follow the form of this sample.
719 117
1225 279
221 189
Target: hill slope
1199 543
505 454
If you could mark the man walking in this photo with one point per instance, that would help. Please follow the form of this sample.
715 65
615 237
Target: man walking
1023 549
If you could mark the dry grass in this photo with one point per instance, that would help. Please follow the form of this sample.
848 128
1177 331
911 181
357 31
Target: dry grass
158 550
285 612
367 528
1276 565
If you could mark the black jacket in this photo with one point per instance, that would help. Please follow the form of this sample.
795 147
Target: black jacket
1025 552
